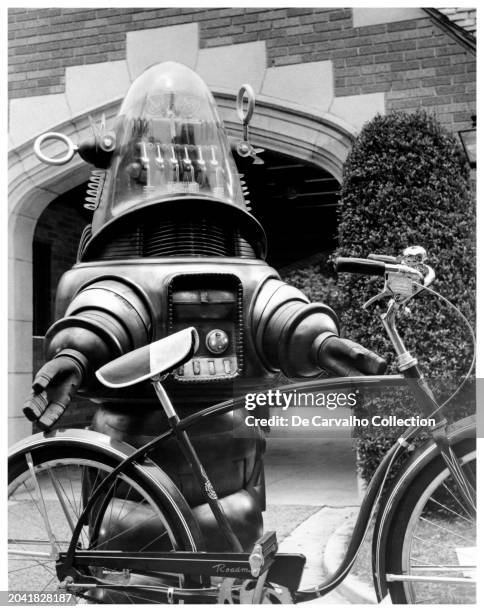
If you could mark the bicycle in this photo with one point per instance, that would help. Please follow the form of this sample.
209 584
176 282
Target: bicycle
78 485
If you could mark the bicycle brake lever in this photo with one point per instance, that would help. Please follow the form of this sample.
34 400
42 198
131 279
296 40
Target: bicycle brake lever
376 298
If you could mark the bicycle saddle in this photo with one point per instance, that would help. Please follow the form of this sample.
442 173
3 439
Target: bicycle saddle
159 357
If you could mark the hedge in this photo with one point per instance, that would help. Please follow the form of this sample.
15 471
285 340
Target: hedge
405 182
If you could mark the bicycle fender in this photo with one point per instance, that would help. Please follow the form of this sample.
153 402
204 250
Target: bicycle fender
420 458
63 437
117 450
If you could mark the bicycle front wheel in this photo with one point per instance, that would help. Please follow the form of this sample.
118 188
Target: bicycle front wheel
430 552
48 488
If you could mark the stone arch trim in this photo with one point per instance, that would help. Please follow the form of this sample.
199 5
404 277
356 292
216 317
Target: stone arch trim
321 139
307 85
324 140
32 187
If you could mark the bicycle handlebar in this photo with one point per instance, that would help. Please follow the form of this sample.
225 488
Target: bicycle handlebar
356 265
373 267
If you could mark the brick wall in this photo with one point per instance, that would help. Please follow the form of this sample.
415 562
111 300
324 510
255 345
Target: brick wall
416 63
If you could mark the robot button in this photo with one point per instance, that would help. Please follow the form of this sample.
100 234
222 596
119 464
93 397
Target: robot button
217 341
227 366
211 367
180 371
196 368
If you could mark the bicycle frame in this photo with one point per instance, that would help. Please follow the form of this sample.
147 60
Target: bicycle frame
203 562
67 560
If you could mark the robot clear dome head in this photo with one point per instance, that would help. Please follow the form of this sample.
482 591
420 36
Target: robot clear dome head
170 143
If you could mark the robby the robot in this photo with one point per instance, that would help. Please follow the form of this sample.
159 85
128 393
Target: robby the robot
173 245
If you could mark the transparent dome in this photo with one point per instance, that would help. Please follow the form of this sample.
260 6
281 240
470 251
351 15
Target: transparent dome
170 142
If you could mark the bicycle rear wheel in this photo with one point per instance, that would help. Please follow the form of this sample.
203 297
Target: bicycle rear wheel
430 554
48 487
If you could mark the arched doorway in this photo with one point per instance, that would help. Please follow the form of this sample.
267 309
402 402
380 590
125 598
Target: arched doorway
313 147
296 202
54 250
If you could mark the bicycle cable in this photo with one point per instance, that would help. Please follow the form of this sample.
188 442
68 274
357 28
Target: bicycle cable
473 338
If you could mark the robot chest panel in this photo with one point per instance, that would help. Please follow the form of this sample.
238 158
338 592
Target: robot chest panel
213 304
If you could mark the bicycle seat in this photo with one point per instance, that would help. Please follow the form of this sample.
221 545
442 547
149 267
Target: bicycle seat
159 357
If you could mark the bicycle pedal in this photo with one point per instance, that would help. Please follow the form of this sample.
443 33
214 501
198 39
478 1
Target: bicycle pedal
263 553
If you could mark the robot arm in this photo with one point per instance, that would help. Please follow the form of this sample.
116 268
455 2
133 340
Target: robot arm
301 338
104 320
345 357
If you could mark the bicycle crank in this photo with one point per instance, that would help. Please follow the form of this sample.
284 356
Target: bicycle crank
238 591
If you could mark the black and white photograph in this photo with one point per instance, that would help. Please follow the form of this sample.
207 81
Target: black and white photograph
241 305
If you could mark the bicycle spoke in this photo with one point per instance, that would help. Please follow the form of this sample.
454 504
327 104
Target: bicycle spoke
44 566
38 513
45 587
457 500
125 531
447 509
124 502
467 490
43 510
161 535
69 480
98 518
115 484
134 509
417 560
426 520
32 498
61 500
72 502
429 543
22 569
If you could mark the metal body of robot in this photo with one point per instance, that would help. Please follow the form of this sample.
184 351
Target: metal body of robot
173 245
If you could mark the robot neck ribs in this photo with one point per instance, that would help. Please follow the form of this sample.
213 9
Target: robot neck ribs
156 234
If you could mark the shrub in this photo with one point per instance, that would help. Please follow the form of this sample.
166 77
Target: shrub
315 280
406 182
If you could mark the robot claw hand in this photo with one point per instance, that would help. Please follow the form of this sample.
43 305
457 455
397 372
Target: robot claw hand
54 387
347 358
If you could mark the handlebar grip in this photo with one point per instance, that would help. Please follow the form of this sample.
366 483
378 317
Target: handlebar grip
360 266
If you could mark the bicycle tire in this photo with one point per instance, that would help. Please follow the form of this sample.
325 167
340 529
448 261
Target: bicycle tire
147 484
425 505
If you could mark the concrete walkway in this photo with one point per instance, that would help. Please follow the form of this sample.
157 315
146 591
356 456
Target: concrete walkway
312 472
311 490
